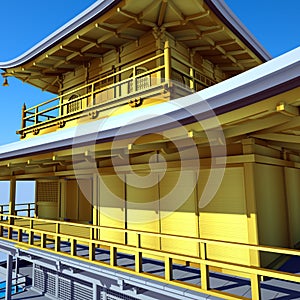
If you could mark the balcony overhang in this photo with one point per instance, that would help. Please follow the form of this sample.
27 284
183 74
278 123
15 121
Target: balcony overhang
207 27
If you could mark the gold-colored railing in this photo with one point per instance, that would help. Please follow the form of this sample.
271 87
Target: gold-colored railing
51 230
116 89
23 208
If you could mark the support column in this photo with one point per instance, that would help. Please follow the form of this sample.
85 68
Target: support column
95 204
8 277
12 199
167 54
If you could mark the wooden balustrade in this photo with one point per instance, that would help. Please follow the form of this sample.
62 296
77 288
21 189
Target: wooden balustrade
39 233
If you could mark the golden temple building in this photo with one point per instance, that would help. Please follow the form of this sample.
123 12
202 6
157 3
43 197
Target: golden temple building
167 166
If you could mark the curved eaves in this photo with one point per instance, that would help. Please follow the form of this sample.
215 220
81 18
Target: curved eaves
269 79
87 16
101 6
220 8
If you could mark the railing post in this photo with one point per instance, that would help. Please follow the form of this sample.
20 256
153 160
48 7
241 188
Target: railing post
167 57
36 116
113 256
28 209
255 287
57 238
204 269
60 106
92 233
12 200
168 269
73 247
1 211
134 80
43 240
92 251
20 235
138 255
31 234
23 121
192 80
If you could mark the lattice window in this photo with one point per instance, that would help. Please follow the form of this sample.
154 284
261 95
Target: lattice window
47 191
142 82
74 105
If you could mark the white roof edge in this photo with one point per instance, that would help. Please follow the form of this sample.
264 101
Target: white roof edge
98 7
233 91
278 65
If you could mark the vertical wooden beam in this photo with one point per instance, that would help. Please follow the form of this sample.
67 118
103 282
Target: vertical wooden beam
92 251
113 256
57 243
138 262
73 245
31 233
36 212
57 237
23 121
167 56
95 202
43 240
12 199
20 234
62 199
168 268
204 269
255 287
252 225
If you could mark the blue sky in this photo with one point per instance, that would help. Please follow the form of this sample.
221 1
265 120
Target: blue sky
25 23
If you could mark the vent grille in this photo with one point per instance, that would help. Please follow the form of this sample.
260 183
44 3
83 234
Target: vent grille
113 295
39 279
65 287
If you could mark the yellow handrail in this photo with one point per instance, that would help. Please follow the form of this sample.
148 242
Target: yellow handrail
253 272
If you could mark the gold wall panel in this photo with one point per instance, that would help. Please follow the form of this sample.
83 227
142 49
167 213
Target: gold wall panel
183 221
143 209
292 181
111 209
224 218
271 208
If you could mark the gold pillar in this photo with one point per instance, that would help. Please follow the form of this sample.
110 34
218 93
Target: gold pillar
167 55
12 198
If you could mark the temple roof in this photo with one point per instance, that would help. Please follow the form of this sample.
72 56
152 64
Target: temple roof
208 27
270 80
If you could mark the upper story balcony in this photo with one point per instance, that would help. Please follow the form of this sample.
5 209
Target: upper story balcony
156 78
